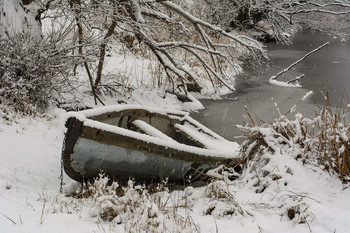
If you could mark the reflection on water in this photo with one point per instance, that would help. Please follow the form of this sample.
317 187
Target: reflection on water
330 65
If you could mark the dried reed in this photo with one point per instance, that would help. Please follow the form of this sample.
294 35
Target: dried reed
323 139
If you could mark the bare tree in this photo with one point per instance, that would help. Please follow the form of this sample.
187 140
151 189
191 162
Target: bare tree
177 38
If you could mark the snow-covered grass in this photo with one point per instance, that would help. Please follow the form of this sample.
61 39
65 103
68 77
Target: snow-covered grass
284 188
323 140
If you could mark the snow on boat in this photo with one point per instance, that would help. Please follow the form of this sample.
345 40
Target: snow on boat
143 143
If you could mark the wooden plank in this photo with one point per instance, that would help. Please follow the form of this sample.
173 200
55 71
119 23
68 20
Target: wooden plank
150 130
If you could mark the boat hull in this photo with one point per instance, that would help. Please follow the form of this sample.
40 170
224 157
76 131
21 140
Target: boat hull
91 158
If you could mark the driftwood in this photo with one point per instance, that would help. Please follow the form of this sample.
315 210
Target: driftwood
297 62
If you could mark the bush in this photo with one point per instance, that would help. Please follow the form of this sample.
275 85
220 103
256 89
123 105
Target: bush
32 72
323 140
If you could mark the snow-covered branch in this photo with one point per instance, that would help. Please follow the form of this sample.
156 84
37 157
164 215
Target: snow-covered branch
298 61
243 40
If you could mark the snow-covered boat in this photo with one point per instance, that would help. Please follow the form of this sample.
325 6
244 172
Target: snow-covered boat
147 144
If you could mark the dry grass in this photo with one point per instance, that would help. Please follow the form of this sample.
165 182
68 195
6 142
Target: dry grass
138 208
323 139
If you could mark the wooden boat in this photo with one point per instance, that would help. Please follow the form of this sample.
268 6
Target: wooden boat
146 144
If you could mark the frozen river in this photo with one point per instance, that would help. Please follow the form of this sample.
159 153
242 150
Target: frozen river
327 69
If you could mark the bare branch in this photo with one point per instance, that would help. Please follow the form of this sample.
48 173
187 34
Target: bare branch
298 61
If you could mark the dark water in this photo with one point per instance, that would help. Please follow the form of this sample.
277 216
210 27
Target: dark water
325 70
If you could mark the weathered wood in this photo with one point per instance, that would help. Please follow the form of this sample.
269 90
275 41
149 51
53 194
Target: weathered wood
189 136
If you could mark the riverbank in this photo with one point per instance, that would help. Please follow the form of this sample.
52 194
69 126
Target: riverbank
276 193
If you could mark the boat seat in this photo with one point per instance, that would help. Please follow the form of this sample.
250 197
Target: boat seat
193 133
150 130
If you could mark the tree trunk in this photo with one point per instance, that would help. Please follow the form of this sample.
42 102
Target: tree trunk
103 52
77 12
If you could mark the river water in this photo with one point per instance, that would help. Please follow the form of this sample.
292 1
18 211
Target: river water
326 70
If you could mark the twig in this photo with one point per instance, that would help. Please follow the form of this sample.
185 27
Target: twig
206 175
257 174
8 218
296 79
42 217
216 225
91 81
298 61
100 223
307 223
250 117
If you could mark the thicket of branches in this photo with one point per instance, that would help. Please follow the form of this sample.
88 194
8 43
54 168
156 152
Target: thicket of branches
196 43
33 72
275 19
190 50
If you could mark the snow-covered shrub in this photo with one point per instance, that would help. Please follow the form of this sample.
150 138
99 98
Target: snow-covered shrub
323 140
222 202
218 190
32 72
135 207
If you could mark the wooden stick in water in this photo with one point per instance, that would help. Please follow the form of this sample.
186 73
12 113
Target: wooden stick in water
298 61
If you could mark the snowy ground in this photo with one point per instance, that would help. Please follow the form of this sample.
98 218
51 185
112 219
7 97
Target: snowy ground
257 201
